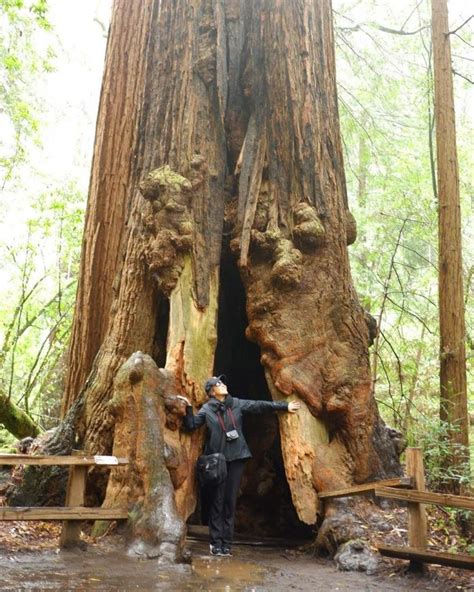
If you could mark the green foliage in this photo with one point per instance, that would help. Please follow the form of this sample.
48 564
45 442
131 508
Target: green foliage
35 322
25 55
432 435
40 256
387 128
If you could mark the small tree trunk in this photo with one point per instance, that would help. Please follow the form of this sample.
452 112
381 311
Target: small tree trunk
407 417
453 395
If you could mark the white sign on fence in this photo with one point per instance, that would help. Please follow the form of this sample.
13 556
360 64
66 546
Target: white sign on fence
106 460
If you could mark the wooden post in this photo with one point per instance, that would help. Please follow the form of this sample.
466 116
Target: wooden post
417 530
76 487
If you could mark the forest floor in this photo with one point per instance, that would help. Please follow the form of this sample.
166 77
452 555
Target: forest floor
31 561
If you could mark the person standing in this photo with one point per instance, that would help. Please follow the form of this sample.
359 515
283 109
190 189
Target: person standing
222 414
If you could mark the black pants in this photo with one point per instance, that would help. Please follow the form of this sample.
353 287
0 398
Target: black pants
222 505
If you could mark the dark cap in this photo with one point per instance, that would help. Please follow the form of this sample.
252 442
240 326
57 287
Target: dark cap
210 382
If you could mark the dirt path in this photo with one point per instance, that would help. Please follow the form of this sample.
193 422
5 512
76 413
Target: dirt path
104 568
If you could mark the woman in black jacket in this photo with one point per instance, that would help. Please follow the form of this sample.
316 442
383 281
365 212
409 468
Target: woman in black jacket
222 415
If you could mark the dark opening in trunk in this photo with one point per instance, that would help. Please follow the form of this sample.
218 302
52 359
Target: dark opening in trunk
161 330
264 506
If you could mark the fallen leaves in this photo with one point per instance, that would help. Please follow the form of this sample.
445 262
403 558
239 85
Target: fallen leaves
29 536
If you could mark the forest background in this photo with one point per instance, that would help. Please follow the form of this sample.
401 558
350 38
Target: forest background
51 61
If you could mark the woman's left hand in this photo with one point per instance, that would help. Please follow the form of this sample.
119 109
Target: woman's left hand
293 406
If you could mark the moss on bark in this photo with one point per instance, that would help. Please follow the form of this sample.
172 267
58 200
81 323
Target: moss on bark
15 420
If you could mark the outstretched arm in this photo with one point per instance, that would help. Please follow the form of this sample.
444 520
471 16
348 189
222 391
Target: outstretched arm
265 406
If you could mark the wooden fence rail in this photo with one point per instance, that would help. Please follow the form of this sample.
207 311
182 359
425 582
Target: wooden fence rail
75 460
427 497
74 510
62 513
366 488
423 556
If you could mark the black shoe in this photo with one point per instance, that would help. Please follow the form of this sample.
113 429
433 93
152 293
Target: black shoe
226 551
215 550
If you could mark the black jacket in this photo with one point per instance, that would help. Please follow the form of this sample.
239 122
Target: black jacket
216 441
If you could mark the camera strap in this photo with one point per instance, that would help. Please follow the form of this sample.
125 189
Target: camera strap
221 421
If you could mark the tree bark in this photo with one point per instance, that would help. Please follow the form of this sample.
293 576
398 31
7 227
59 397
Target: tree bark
45 486
453 394
238 123
173 237
293 227
111 177
145 488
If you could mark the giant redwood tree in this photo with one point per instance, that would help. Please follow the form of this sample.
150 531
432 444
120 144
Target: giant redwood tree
216 241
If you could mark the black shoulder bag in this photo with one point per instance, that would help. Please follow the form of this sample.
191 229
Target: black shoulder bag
211 469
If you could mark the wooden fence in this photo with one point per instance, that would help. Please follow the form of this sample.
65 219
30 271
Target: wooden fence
411 489
74 511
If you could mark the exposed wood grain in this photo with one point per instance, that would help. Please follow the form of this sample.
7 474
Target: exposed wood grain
139 434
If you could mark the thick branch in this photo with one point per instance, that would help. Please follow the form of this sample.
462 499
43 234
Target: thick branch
15 420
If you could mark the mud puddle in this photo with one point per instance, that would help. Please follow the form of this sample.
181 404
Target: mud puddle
113 571
250 570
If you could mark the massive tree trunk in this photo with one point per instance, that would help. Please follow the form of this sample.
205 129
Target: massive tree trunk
453 395
237 145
